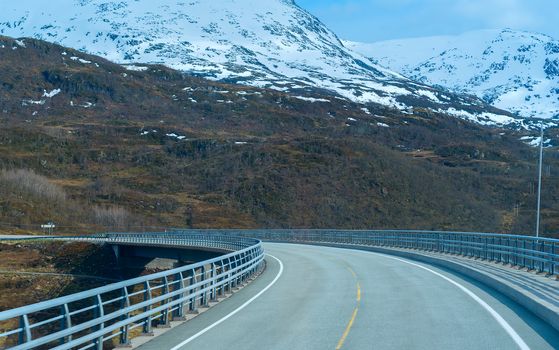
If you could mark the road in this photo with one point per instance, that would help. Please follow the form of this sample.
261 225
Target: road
16 237
328 298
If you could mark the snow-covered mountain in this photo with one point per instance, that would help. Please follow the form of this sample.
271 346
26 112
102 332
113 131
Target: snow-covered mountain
264 43
512 70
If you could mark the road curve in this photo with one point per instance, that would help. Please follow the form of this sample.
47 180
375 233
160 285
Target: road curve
330 298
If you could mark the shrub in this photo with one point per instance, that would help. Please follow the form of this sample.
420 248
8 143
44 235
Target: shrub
27 182
115 217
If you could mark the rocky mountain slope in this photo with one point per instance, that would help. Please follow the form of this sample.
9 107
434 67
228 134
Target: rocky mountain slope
131 149
512 70
273 44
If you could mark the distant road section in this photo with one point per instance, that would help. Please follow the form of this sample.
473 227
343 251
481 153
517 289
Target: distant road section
331 298
12 237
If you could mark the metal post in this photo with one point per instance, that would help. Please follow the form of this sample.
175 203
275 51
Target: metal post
65 322
99 312
147 330
191 291
25 334
213 291
164 321
539 183
179 312
124 330
204 296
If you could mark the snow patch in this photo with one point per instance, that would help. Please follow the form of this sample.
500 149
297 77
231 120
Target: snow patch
81 60
32 102
136 68
485 118
178 137
534 141
52 93
429 94
311 99
366 110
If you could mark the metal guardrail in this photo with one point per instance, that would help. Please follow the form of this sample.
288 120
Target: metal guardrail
174 238
89 319
538 254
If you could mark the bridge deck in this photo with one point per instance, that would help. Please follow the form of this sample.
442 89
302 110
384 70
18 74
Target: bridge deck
330 298
536 286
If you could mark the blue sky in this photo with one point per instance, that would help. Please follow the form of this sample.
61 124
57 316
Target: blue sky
374 20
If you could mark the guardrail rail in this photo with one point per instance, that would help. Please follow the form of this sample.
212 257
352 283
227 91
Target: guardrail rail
91 319
538 254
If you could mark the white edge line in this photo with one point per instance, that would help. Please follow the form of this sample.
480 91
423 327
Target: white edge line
236 310
502 322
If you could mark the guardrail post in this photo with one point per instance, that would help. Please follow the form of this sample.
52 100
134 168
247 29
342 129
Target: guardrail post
491 250
204 297
524 253
65 322
124 338
165 313
213 292
502 251
553 258
234 277
533 253
221 289
25 333
229 275
99 312
179 312
192 291
241 272
486 248
147 330
542 255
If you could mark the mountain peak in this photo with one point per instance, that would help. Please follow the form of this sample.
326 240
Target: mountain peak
275 45
512 70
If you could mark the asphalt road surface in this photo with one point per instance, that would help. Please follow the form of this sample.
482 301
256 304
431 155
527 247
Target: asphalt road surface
328 298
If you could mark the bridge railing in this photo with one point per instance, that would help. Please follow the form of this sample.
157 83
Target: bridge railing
115 312
539 254
173 238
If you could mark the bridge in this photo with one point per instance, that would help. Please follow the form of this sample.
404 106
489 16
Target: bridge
317 289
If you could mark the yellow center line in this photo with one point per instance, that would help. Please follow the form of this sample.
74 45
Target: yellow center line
347 329
350 324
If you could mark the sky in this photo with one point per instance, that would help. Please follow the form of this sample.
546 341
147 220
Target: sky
376 20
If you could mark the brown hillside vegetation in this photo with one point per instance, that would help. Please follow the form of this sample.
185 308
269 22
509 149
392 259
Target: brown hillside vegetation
118 149
33 272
